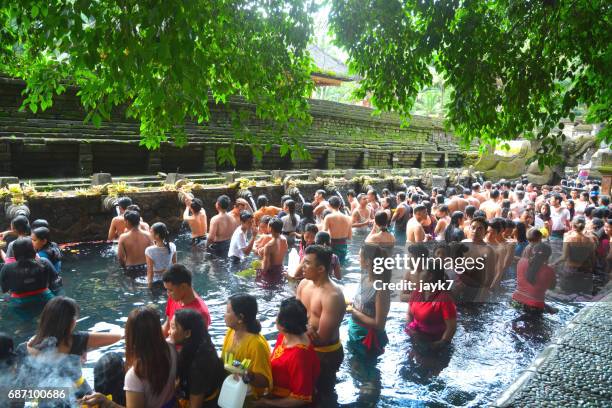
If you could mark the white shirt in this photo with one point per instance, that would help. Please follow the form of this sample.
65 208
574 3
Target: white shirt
558 218
238 243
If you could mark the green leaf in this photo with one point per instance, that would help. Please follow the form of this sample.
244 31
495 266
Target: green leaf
35 11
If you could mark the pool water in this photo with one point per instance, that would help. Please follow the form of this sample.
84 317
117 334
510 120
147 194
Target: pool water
493 344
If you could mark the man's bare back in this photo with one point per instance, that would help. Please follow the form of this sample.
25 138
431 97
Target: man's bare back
338 225
414 231
222 227
457 204
491 208
117 227
197 224
132 245
274 252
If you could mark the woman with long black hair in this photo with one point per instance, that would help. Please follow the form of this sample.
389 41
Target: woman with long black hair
454 230
161 255
533 277
29 280
200 370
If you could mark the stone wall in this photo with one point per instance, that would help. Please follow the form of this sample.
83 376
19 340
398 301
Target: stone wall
57 143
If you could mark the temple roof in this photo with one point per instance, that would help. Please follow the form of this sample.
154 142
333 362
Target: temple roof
328 67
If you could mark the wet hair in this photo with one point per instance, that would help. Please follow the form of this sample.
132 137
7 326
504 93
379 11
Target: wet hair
276 225
195 348
307 211
262 201
50 248
21 224
470 210
196 205
419 208
56 321
146 349
39 223
177 274
24 251
597 223
350 192
322 238
321 192
481 220
579 223
134 207
533 234
401 196
600 213
449 232
124 202
325 213
109 376
265 219
291 208
245 306
382 220
440 199
479 214
160 229
224 202
521 231
132 218
520 194
558 197
506 194
361 196
487 184
415 198
505 208
497 224
588 211
293 316
335 202
443 208
539 255
451 191
245 216
42 233
494 194
312 228
475 186
323 255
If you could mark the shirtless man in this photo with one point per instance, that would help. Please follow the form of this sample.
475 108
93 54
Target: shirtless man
361 214
340 229
467 194
264 209
117 226
504 250
132 245
473 283
476 193
326 306
492 207
239 206
351 200
414 229
143 225
488 186
195 216
455 203
221 229
373 203
400 217
275 250
319 204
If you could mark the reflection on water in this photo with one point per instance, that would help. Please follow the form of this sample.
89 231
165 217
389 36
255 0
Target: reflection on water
492 345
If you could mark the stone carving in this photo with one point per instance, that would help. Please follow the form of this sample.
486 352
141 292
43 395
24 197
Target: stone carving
514 165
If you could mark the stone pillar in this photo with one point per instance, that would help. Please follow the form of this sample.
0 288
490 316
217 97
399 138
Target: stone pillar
365 161
422 160
154 163
100 179
330 160
445 160
85 160
209 158
5 159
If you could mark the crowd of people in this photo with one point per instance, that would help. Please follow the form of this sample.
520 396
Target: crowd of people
171 360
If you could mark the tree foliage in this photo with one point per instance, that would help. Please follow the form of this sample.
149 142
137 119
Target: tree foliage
163 59
515 67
